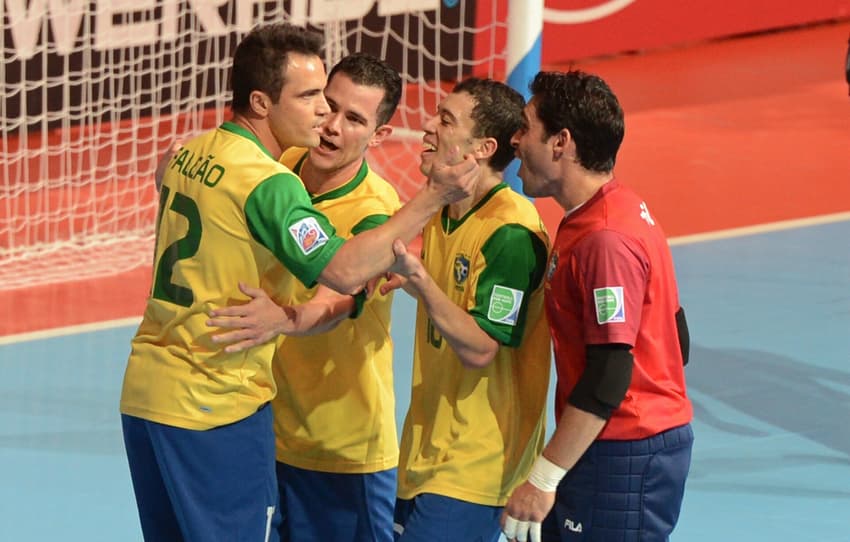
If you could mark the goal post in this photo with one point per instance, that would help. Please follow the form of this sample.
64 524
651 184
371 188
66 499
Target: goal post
524 51
93 91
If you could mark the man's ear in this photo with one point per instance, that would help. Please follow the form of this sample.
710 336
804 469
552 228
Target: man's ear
485 148
560 142
259 103
381 133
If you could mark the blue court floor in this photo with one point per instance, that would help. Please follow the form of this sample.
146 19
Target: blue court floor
769 376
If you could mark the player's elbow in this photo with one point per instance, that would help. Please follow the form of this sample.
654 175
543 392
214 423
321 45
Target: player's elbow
340 279
479 358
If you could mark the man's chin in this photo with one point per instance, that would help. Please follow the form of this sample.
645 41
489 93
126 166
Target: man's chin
319 160
425 165
309 141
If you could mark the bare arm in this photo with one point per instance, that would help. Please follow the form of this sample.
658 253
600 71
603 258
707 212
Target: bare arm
261 320
576 431
473 345
370 253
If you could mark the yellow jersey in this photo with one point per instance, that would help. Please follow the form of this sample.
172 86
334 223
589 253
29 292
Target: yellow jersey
473 434
228 212
335 408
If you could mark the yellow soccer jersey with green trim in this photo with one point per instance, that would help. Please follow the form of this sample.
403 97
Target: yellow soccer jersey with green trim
228 212
473 434
335 407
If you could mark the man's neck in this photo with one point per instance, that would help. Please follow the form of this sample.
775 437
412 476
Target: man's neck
260 129
580 187
321 182
487 180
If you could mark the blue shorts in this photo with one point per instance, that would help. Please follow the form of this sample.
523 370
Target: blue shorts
435 518
326 506
628 491
213 485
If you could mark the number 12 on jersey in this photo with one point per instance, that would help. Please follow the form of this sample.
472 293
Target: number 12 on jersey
185 247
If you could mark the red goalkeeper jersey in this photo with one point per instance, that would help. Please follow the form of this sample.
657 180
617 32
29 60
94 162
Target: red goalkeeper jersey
611 280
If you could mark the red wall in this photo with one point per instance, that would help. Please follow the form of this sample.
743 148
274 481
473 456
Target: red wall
652 24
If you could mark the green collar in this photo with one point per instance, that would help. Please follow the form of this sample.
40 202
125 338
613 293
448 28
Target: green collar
450 224
336 192
234 128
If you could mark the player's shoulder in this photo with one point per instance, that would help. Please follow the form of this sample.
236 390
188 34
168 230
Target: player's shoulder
511 207
231 159
293 157
628 211
242 149
378 187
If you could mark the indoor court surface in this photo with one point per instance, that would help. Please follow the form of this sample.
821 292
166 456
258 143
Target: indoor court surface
741 149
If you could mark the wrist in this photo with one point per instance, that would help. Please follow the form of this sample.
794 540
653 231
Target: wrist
418 279
430 197
546 475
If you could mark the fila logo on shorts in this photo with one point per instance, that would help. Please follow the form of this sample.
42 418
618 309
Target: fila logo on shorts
573 526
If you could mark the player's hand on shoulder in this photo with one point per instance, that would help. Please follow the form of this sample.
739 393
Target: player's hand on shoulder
166 157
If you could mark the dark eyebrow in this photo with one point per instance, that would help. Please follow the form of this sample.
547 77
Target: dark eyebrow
349 112
358 116
443 111
311 92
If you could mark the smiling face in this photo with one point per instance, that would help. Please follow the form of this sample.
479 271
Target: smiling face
451 128
350 127
296 117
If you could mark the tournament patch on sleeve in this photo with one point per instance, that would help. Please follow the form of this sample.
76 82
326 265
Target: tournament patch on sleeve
308 234
504 305
610 306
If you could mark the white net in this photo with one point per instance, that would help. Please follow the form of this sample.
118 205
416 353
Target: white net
93 91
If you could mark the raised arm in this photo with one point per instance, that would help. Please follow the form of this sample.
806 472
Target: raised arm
371 253
473 346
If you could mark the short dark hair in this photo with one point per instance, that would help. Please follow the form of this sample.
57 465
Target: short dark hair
262 55
585 105
365 69
497 113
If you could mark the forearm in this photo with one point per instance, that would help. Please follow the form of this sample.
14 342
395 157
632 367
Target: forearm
370 253
532 501
473 346
321 315
575 432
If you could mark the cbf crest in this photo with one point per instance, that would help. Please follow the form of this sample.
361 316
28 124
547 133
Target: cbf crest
461 270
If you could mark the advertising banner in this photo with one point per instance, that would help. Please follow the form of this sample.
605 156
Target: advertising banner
576 29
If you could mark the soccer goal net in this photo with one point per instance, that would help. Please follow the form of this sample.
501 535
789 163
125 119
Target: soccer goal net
93 91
